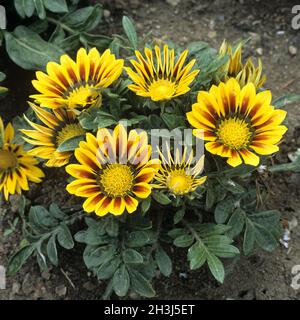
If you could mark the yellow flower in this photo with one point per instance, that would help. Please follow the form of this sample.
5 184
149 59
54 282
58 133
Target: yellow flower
158 76
176 175
244 73
114 171
77 84
17 167
60 126
238 122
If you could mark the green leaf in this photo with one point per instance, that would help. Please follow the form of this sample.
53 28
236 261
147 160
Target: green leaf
173 121
28 50
184 241
233 187
179 215
264 238
197 255
237 222
141 285
70 144
64 237
107 269
161 198
285 100
56 212
121 281
94 256
137 239
112 227
84 19
52 250
223 210
163 261
18 259
39 6
42 217
132 256
56 5
25 8
210 197
146 204
216 267
249 237
130 31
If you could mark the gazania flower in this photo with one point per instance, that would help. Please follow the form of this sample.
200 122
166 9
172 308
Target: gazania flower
60 126
17 167
158 76
114 171
244 73
238 122
77 84
176 174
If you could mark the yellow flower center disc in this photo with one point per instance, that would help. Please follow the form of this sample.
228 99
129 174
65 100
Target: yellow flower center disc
7 160
83 96
179 182
234 133
68 132
117 180
162 90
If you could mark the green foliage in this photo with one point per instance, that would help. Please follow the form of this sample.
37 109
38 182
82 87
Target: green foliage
42 230
27 45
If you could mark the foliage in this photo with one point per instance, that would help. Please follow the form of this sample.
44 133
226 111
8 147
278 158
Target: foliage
219 220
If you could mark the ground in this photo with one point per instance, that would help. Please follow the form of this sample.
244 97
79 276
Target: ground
260 276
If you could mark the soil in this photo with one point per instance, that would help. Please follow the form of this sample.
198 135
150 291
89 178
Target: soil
260 276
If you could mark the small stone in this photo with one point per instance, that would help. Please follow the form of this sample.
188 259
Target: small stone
15 288
61 290
106 13
259 51
27 285
89 286
212 34
173 3
292 50
46 275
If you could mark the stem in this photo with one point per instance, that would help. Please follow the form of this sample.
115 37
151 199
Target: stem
192 231
62 25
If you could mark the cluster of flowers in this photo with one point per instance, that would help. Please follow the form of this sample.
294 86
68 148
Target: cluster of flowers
238 122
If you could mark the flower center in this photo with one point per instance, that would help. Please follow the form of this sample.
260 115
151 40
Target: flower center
162 90
234 133
83 96
179 182
117 180
8 160
68 132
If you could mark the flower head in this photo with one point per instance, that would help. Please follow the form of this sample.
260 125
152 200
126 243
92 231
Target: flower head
158 76
244 73
114 171
17 167
77 84
60 125
238 122
176 174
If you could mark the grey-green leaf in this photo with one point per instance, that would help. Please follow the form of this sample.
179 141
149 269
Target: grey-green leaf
28 50
216 267
52 250
121 281
163 261
130 31
141 285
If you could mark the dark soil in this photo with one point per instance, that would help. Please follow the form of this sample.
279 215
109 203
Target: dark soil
260 276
